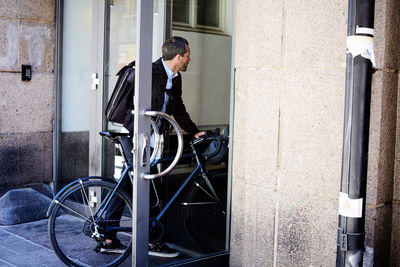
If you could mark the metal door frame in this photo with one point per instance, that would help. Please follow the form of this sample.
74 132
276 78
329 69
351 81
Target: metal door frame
142 102
96 95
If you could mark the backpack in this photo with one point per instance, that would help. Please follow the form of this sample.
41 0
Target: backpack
121 99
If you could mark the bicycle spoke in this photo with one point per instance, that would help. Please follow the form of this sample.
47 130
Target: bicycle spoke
205 191
68 208
87 200
76 239
204 215
198 203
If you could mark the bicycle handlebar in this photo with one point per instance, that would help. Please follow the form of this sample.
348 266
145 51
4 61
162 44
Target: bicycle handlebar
208 137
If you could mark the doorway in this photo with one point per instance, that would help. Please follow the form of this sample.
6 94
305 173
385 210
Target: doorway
87 78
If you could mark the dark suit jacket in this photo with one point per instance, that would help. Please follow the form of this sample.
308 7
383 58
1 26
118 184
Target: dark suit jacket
175 105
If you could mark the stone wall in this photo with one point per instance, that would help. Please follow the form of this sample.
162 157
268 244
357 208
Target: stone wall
289 105
26 108
381 234
290 83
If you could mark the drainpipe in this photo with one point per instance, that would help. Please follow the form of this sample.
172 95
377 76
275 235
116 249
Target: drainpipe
360 60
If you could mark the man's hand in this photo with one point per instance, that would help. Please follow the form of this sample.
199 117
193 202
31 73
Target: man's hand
199 134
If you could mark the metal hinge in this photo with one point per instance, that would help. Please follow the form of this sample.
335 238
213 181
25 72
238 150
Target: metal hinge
95 81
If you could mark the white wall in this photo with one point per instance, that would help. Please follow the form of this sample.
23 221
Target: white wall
206 83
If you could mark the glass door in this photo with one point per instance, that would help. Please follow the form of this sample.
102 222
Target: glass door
120 49
194 216
74 102
100 37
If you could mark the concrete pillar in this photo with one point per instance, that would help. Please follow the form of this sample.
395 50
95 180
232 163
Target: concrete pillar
383 144
289 104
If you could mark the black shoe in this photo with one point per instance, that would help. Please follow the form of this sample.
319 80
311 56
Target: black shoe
112 247
162 250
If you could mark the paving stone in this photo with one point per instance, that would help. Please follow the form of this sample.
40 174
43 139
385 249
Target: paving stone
26 247
4 263
8 238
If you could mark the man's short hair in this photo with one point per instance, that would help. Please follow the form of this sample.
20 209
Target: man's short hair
174 46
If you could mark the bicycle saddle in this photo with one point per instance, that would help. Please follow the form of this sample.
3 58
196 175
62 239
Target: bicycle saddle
112 134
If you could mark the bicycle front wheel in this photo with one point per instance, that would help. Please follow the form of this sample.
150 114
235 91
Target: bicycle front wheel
81 221
204 219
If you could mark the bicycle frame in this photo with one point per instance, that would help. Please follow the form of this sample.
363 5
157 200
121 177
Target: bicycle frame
200 167
108 198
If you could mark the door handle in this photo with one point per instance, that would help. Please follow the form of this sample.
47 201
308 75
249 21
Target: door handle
158 141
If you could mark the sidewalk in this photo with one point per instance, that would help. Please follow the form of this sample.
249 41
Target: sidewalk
27 244
18 251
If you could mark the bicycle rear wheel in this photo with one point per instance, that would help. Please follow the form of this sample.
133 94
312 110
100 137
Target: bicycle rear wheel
76 229
204 219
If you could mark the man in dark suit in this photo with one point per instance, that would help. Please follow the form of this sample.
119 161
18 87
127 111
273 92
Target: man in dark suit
167 85
167 98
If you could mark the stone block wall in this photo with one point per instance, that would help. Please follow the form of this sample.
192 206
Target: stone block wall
26 108
289 110
381 203
289 105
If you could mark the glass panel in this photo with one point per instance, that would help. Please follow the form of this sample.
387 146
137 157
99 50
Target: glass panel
196 224
208 13
181 11
75 105
120 43
120 47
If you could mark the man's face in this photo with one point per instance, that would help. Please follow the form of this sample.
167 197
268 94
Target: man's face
184 60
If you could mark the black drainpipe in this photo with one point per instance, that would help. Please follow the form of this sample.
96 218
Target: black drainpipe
350 245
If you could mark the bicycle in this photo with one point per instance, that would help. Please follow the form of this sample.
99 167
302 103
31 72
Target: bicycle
78 213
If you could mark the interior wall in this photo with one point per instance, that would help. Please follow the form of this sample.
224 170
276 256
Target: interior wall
26 108
206 83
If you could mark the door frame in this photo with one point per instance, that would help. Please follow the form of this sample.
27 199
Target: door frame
142 102
96 95
57 91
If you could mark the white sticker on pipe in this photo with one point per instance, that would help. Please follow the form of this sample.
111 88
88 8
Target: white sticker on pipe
361 45
350 207
363 30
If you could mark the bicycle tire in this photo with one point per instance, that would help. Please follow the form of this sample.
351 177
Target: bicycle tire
71 224
204 220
